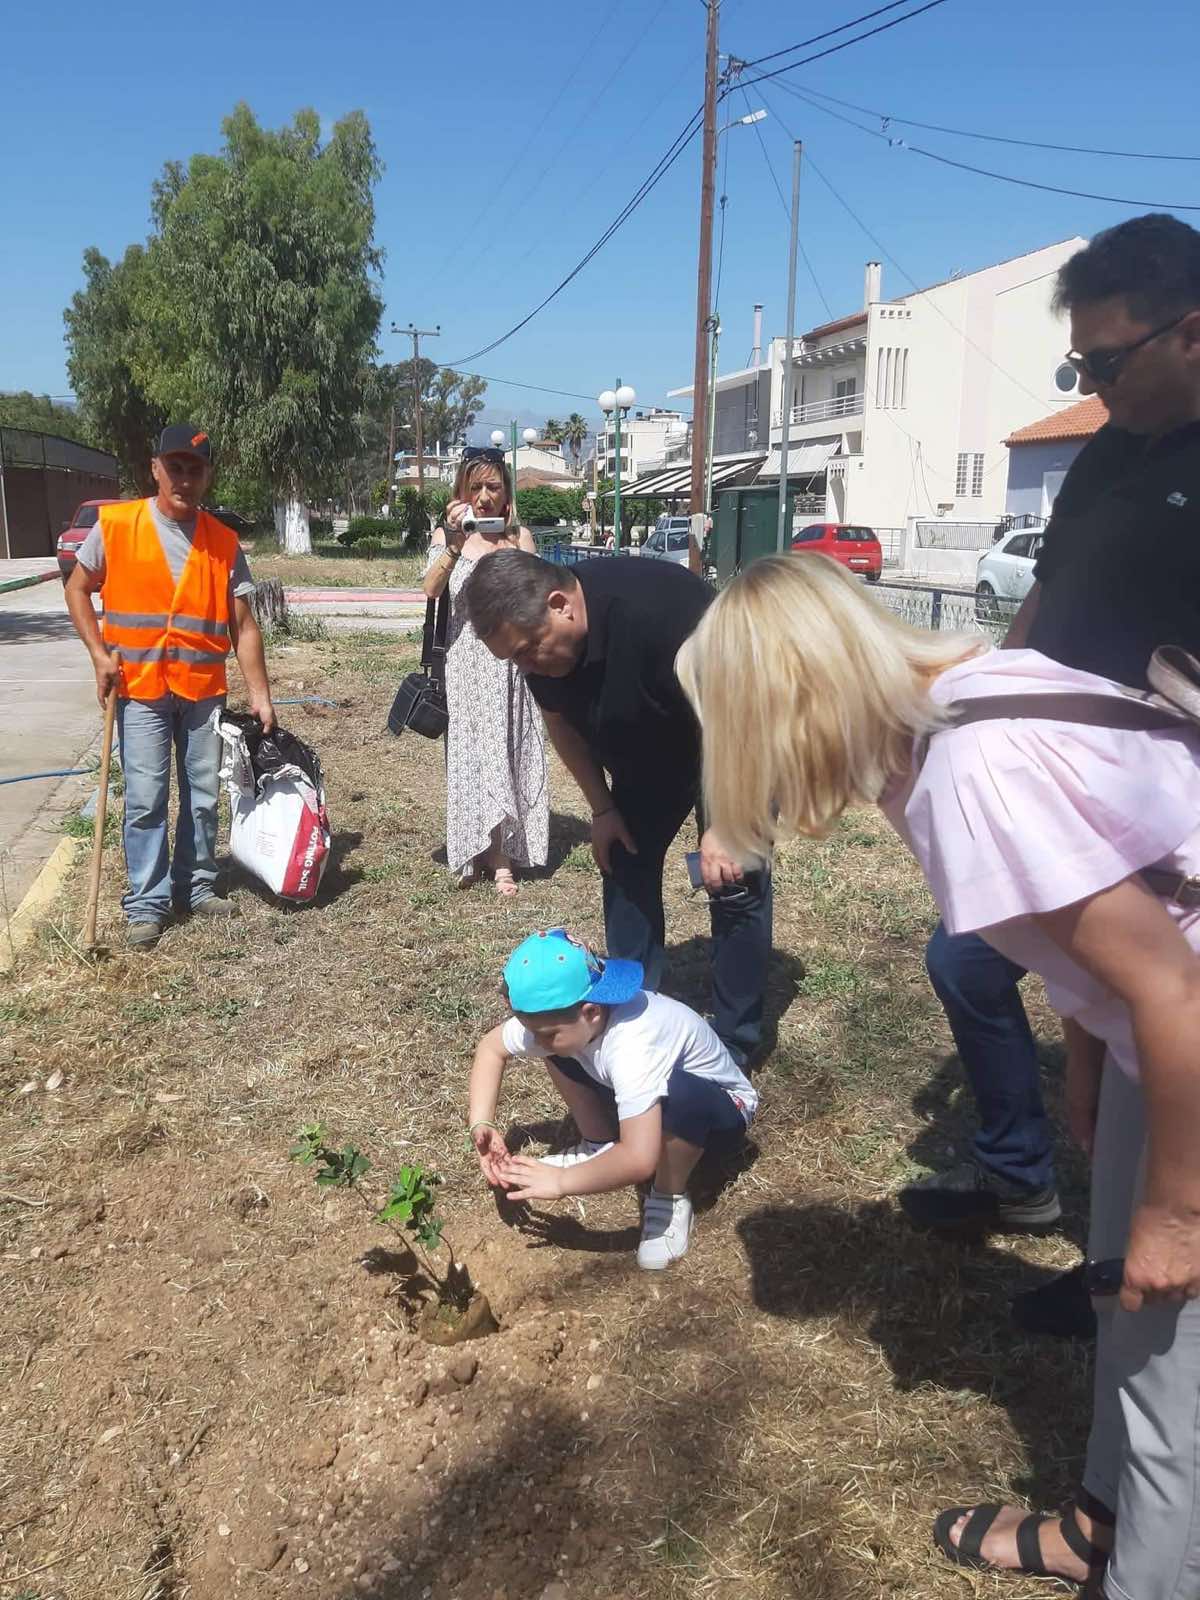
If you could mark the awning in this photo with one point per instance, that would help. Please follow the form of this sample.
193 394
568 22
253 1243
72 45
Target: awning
803 459
675 482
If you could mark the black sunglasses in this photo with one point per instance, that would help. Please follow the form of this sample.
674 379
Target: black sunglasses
1106 366
483 452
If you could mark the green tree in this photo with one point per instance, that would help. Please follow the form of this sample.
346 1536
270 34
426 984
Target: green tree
450 403
574 435
544 506
262 308
105 336
39 414
553 431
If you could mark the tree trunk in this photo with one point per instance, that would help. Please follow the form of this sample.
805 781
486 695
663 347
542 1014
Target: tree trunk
291 527
269 604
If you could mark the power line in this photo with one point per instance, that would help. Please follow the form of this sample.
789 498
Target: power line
787 215
985 172
675 150
833 49
932 304
818 38
887 117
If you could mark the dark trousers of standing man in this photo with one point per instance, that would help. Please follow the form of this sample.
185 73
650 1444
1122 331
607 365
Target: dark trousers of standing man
978 989
635 924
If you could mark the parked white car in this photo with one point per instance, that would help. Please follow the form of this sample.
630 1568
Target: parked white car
669 540
1005 572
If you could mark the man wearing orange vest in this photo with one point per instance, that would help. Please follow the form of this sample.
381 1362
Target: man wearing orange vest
174 583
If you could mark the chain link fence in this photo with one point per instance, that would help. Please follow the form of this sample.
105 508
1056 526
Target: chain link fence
42 479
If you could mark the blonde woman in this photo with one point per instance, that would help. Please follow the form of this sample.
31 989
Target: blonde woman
1034 833
497 803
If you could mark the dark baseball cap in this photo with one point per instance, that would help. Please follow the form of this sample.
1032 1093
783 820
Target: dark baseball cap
184 438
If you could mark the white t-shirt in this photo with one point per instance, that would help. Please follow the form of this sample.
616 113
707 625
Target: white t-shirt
645 1040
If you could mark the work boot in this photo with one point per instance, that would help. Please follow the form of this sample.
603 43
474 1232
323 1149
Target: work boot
969 1199
143 935
1061 1308
214 906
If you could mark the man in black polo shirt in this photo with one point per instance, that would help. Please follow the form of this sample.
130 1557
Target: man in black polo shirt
1119 575
597 645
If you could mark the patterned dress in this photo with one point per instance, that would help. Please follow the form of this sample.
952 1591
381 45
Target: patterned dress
495 748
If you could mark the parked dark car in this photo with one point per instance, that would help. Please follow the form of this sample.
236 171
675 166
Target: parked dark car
237 520
75 532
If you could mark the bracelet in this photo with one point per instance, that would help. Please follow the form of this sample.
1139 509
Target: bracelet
453 554
603 812
482 1123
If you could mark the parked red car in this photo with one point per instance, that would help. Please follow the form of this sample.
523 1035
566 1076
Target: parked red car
854 547
76 531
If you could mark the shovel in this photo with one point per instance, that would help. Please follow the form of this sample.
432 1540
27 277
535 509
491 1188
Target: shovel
93 899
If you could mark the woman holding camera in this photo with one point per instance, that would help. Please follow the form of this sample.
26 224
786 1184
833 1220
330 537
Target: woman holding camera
497 803
1048 817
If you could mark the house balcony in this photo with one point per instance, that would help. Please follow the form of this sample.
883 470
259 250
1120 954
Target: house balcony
843 405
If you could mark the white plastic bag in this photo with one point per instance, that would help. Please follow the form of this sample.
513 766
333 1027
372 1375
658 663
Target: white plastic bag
279 829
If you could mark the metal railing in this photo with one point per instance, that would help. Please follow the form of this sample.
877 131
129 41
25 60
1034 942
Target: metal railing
842 405
939 535
948 610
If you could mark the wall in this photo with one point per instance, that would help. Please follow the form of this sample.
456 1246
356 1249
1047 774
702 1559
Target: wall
742 409
39 500
1027 465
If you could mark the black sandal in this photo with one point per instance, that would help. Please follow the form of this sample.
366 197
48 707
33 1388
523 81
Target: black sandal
966 1553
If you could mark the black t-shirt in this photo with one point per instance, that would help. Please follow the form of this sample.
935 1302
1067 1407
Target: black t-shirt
1120 565
623 695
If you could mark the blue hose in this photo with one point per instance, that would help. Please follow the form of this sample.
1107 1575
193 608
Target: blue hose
62 772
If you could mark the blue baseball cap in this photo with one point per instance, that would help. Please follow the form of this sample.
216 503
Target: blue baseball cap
551 971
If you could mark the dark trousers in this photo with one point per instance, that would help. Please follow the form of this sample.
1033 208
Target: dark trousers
978 988
635 924
694 1109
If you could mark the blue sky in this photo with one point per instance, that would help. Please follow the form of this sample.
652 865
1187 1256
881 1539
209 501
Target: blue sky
512 135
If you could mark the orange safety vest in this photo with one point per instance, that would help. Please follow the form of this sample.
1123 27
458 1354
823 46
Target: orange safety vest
173 637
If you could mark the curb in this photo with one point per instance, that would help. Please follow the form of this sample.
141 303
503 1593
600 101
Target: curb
38 898
27 583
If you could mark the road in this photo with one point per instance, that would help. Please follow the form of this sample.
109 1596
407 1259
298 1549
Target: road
49 720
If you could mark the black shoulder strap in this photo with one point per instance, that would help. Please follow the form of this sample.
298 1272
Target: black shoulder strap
433 636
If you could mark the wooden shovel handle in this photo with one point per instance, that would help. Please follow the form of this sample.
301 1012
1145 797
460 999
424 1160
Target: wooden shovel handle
93 900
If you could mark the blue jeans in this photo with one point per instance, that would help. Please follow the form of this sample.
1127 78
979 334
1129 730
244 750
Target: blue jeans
149 729
978 988
694 1109
635 924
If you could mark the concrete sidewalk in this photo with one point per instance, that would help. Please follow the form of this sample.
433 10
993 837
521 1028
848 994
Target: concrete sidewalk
49 720
389 610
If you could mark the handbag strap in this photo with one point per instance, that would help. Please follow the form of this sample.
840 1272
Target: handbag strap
433 635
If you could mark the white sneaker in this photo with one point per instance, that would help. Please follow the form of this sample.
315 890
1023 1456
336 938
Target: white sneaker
585 1150
666 1230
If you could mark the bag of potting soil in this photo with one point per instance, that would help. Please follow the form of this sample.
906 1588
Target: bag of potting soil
279 828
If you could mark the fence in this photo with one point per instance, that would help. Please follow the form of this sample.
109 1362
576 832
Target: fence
892 543
948 610
42 479
938 535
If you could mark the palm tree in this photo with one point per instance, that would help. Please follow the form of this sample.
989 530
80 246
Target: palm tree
574 435
552 432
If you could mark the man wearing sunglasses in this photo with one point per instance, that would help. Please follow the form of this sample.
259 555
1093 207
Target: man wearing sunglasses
1119 575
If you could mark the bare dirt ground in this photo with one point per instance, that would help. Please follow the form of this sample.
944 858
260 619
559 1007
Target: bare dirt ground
334 568
209 1392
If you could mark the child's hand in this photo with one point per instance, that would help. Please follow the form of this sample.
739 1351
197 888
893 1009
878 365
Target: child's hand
493 1154
527 1179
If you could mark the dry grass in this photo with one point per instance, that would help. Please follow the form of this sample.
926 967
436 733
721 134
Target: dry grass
779 1416
332 567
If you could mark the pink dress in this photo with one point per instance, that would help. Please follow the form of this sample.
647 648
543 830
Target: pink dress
1008 819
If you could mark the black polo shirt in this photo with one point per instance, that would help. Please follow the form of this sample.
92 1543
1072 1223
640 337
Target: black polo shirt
623 695
1120 565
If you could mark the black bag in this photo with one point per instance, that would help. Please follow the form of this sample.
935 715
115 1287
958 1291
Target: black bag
420 702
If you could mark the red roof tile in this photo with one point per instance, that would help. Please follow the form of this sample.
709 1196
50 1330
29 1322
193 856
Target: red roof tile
1079 421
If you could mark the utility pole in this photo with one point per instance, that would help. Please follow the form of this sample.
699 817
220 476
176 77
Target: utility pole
391 470
785 440
708 185
416 335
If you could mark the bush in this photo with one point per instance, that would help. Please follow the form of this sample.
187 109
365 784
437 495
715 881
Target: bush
320 527
381 529
369 546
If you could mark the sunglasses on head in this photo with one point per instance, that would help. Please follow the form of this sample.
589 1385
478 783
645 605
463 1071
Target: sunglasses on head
1106 365
483 452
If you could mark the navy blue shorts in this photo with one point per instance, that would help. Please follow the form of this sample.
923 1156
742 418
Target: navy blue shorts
695 1109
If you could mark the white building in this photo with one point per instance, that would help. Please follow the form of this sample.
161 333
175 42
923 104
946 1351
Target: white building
902 410
541 456
647 439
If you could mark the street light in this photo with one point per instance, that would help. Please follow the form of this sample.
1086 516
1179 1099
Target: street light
614 404
529 435
714 328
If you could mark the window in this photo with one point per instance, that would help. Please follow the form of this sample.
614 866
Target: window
677 541
891 378
808 535
1035 546
1019 546
86 517
970 472
844 388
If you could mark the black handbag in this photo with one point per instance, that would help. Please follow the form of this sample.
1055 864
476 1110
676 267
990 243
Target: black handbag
420 702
